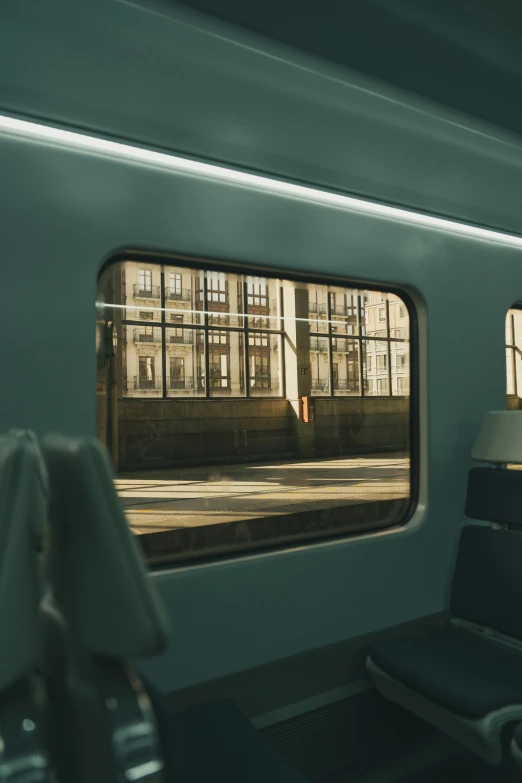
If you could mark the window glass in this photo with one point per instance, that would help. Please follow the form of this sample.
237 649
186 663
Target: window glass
228 453
318 308
514 357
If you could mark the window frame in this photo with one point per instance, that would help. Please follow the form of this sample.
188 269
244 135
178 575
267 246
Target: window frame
513 349
169 554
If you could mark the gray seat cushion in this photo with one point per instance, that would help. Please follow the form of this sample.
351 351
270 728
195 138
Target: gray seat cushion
456 669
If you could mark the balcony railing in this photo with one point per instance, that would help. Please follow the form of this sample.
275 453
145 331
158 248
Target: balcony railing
147 384
320 384
146 335
187 338
263 383
344 345
319 308
178 294
344 385
346 312
181 384
146 291
319 344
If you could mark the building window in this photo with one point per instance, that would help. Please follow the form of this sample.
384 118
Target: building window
381 362
177 372
382 314
402 385
219 370
146 316
514 357
146 379
145 280
257 292
174 283
217 288
218 338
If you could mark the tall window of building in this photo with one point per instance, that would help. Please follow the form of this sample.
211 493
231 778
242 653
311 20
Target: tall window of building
257 292
514 357
175 284
217 287
145 280
177 372
146 378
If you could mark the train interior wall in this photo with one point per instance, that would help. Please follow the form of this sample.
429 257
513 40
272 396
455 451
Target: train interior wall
283 631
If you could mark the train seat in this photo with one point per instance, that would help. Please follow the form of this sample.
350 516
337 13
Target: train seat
516 746
214 742
23 501
112 614
466 679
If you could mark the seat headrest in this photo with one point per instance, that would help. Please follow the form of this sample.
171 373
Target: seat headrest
500 438
23 507
494 495
96 573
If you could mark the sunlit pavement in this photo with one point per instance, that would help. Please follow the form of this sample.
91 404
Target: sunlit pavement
189 497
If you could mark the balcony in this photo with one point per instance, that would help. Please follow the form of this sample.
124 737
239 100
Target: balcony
345 385
344 345
147 384
181 384
345 312
178 294
187 338
318 308
320 384
146 292
263 383
146 334
319 344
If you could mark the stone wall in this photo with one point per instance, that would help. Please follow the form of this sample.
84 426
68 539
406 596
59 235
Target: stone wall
356 425
156 434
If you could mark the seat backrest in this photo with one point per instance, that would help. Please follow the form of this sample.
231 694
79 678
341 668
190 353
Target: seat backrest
487 583
103 610
23 502
23 506
97 573
495 495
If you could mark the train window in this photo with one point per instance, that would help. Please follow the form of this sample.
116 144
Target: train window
514 358
246 411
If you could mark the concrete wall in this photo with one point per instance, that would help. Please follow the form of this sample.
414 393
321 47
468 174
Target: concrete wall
161 434
355 425
156 433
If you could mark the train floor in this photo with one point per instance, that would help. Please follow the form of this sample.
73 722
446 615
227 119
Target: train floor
453 766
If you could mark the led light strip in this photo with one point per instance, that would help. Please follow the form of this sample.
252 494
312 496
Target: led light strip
45 133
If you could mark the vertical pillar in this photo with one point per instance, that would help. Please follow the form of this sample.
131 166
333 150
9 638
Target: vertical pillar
298 378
